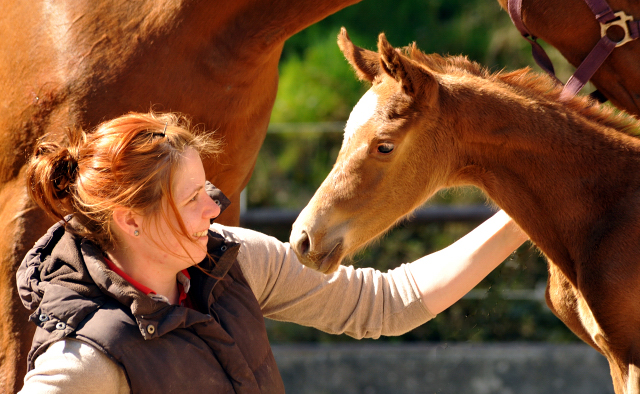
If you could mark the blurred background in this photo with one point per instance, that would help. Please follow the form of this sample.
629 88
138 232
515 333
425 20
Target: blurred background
317 91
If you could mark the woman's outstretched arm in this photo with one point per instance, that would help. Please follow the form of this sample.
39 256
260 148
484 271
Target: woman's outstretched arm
445 276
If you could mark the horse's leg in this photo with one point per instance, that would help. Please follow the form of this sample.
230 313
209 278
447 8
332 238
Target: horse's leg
571 307
21 224
633 381
15 333
564 301
630 366
561 297
625 373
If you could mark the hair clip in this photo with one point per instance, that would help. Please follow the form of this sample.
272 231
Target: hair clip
164 132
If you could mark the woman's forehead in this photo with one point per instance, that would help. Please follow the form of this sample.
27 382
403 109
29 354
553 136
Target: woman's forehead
190 176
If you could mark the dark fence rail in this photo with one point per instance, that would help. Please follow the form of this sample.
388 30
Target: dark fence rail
428 214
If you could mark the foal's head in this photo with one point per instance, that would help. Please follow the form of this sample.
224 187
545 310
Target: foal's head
422 126
385 168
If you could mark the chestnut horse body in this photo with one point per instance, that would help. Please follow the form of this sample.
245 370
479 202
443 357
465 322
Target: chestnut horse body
570 26
76 63
565 172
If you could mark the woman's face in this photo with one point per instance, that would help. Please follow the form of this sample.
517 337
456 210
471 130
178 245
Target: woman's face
196 209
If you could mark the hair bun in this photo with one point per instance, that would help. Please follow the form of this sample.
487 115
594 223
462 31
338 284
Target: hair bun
64 171
53 170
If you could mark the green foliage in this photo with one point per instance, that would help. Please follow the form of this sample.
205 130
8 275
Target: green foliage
328 88
290 168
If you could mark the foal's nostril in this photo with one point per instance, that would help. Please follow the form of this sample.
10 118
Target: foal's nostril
304 244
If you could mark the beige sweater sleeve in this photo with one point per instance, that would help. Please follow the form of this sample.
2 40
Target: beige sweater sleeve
359 302
70 366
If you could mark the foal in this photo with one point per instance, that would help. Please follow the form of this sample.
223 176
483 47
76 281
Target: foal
565 172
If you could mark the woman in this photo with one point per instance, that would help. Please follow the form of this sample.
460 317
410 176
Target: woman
136 291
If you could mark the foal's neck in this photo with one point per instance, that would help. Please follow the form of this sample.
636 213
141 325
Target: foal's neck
561 176
544 146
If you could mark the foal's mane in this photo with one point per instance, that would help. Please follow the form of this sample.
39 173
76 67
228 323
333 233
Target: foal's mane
534 85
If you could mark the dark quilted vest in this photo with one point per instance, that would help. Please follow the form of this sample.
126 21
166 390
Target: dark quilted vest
219 347
186 351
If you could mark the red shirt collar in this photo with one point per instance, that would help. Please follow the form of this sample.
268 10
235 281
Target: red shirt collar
181 298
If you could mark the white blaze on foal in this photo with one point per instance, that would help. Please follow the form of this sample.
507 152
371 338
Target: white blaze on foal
362 112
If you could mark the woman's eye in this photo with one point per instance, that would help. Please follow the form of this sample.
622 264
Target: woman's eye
386 148
194 198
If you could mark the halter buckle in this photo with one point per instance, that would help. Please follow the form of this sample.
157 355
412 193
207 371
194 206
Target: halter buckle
622 20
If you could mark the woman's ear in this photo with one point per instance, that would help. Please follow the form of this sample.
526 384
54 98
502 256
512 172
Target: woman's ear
127 222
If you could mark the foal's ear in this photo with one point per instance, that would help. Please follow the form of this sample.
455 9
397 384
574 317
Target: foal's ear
365 63
412 78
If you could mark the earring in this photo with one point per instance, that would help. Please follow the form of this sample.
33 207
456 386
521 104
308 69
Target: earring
136 233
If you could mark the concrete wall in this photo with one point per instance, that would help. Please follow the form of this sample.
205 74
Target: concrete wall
440 368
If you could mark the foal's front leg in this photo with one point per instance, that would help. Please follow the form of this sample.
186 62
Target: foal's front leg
633 382
562 299
565 302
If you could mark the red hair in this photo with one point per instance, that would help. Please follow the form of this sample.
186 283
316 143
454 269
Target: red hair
127 162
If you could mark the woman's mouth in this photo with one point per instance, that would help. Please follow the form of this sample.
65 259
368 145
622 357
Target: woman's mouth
201 234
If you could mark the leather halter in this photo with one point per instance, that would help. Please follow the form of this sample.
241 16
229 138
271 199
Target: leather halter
606 17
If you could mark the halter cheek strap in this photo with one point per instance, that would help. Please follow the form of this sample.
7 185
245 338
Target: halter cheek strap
607 18
539 55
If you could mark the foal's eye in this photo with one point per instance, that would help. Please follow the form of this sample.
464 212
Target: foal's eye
386 148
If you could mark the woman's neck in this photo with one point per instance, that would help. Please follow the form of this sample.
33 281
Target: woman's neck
147 273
